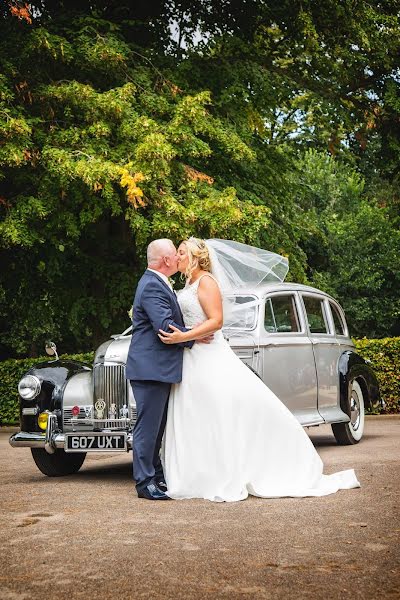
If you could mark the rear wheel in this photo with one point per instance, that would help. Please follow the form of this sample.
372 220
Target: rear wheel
58 464
352 432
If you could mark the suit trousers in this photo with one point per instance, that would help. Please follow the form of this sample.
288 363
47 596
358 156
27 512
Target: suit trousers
151 404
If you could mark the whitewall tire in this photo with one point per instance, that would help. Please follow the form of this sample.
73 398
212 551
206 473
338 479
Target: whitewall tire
352 432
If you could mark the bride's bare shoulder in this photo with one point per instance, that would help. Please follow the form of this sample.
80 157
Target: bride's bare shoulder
207 279
208 284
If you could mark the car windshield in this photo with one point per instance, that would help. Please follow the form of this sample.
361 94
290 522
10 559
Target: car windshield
243 309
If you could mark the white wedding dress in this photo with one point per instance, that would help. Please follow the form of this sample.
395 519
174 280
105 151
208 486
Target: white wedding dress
228 435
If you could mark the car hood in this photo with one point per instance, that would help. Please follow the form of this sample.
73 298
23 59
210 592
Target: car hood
114 351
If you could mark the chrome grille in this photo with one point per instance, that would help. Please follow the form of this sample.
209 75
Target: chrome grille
110 385
80 421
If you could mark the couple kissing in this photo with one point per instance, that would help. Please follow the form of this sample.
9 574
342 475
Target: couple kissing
207 427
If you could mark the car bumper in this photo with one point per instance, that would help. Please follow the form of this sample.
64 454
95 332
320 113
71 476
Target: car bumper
51 439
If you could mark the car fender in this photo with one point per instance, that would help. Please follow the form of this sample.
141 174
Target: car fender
352 366
54 376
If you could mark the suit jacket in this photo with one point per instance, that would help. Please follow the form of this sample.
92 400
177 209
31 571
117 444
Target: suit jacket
155 307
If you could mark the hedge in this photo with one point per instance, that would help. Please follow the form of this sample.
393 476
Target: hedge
384 355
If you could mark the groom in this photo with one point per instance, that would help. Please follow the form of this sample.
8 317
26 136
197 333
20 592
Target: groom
153 366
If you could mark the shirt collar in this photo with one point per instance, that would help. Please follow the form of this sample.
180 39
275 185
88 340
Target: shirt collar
162 276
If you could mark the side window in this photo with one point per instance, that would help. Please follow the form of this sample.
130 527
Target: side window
315 314
244 318
281 315
337 320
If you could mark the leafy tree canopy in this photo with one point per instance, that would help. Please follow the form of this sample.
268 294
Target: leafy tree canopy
273 123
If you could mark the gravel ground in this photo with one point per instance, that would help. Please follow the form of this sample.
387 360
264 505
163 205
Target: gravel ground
89 535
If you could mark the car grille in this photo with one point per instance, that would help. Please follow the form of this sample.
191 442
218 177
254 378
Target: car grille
84 421
81 421
110 388
110 385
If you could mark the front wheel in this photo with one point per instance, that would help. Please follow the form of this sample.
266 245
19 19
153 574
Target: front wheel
58 464
352 432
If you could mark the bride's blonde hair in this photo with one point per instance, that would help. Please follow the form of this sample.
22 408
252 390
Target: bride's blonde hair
198 256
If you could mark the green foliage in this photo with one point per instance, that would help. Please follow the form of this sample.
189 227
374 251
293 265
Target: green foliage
353 243
384 355
364 268
278 127
99 155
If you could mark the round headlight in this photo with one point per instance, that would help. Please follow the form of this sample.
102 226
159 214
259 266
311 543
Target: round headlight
29 387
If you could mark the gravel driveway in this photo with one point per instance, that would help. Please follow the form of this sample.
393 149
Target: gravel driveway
88 535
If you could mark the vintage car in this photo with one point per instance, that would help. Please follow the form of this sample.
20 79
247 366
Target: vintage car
294 337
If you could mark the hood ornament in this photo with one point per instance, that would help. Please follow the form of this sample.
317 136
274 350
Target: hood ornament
100 406
123 412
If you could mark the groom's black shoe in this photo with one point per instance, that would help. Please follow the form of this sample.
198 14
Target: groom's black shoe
152 492
161 484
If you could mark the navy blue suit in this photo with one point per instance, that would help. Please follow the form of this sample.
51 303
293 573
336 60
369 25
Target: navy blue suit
152 367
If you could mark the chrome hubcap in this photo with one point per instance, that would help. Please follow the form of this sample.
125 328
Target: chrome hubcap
354 410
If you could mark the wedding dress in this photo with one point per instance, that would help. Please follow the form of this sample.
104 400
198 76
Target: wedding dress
228 435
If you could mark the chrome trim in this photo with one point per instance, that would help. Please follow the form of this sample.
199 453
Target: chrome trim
23 439
117 336
85 420
104 424
50 431
355 413
82 419
51 349
313 423
110 384
30 411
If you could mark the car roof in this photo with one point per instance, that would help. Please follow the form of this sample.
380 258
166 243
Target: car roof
266 288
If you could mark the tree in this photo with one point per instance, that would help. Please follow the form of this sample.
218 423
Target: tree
99 154
113 131
353 246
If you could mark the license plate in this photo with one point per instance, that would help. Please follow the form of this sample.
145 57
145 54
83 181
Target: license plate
95 442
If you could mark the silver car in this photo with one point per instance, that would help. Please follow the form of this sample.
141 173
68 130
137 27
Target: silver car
294 337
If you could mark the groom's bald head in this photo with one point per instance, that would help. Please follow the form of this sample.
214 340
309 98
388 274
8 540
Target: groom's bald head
162 256
157 249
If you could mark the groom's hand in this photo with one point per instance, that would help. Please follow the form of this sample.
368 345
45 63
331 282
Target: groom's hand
175 337
178 336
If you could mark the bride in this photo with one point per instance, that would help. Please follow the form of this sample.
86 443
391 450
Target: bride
227 434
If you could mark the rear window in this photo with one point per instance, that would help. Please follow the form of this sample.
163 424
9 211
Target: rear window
281 314
337 320
315 314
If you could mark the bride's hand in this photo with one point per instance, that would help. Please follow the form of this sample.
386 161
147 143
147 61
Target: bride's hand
171 338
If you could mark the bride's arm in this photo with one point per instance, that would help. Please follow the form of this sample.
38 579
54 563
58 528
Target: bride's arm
211 302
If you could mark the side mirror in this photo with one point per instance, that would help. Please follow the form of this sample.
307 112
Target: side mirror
51 349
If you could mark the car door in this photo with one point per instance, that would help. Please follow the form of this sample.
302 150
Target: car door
288 359
326 353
